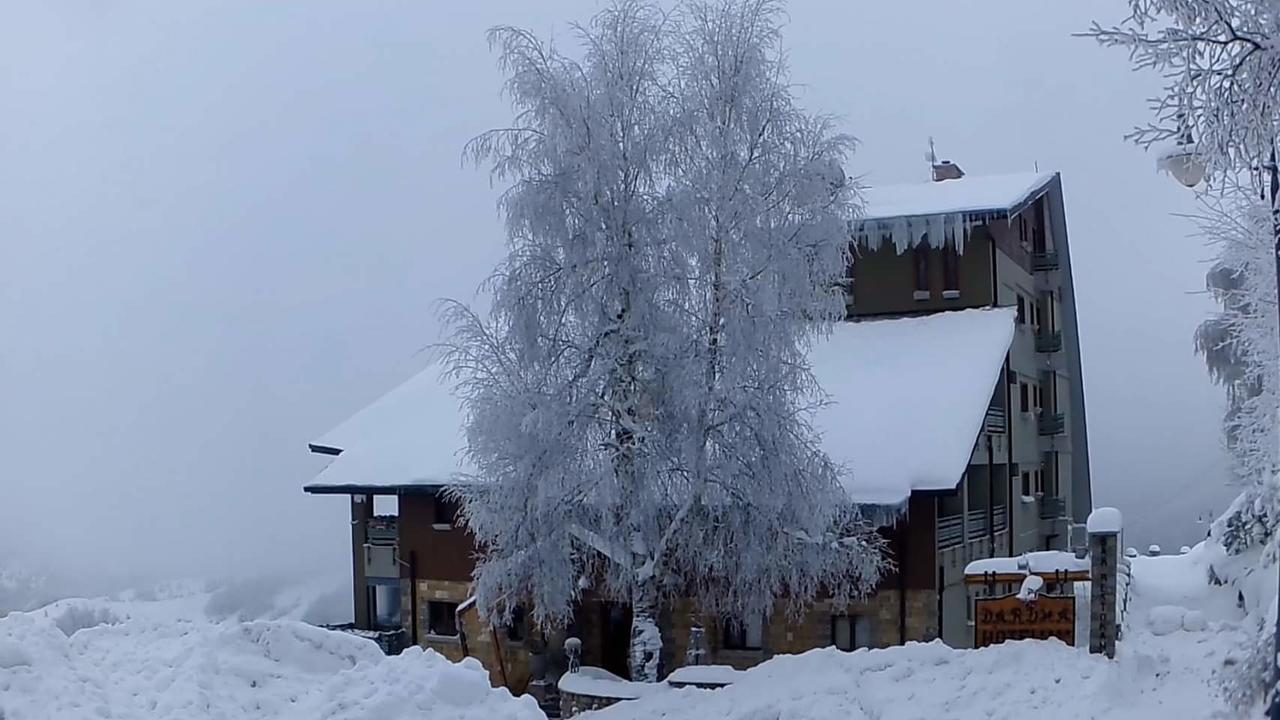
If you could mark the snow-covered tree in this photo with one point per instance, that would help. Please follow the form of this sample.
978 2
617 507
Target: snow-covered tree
1221 63
1239 346
638 396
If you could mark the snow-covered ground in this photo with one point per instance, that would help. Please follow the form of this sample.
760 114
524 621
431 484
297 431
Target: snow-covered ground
167 658
1160 671
182 651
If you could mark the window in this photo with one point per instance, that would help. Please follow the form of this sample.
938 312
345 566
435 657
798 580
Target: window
1035 313
1024 397
385 601
442 618
1039 479
446 512
1026 483
920 267
950 271
850 632
1039 397
1022 310
739 635
515 628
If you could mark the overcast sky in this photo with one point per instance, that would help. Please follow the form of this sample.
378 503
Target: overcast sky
223 226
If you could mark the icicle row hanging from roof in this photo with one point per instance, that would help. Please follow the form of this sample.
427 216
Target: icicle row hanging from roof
906 232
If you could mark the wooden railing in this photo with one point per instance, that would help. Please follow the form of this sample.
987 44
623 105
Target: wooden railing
950 531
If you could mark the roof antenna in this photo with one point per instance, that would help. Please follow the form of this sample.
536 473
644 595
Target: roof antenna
944 169
1036 164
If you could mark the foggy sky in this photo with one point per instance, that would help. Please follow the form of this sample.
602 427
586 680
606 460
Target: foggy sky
223 226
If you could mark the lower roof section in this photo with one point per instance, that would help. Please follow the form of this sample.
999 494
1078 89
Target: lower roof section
906 398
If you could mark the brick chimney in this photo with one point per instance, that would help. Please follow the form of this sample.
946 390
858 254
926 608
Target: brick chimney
946 170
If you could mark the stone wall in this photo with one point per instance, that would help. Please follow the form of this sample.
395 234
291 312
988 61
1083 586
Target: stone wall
447 591
572 704
812 629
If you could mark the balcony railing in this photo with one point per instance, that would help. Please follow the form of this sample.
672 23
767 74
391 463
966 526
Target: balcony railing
1001 521
977 524
1052 424
995 422
950 531
381 530
1049 342
1052 508
1044 261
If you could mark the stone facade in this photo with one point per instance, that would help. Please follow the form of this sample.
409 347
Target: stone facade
785 634
483 641
572 704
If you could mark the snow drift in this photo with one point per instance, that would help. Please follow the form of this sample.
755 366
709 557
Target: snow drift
86 659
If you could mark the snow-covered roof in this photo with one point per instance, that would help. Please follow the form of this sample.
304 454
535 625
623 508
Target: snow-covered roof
705 675
908 397
969 194
907 400
411 436
1106 520
902 213
598 682
1044 562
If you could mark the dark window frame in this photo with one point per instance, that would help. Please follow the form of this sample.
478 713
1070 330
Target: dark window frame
516 626
1022 310
1026 483
445 511
734 635
950 267
920 264
1024 397
442 618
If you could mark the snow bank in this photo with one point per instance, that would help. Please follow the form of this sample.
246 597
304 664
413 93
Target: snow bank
146 668
1169 675
1025 679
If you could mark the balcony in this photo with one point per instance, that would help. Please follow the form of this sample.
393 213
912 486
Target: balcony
1048 342
381 530
1052 508
1044 261
995 422
978 521
1052 424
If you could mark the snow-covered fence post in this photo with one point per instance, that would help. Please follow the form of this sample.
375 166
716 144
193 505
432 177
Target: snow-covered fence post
573 649
1104 544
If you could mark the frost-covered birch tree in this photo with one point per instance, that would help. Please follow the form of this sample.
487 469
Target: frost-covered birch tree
1221 63
637 396
1239 345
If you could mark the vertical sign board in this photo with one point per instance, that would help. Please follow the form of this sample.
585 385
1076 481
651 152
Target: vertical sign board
1009 618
